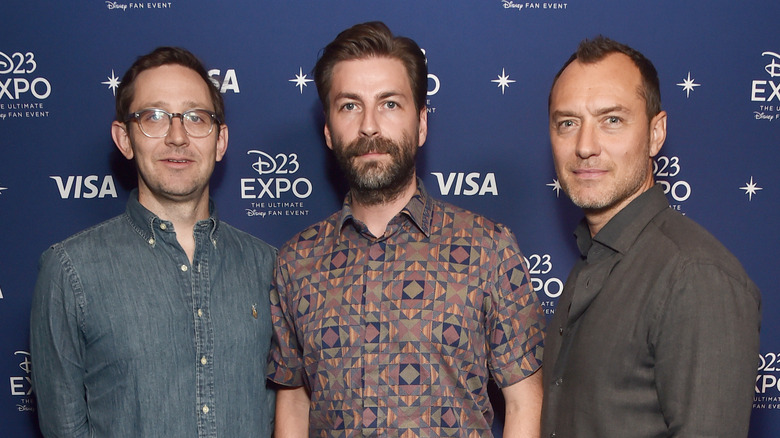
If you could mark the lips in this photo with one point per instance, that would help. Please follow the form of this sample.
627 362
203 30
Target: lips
589 172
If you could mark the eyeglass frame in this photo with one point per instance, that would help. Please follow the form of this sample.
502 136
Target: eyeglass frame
136 114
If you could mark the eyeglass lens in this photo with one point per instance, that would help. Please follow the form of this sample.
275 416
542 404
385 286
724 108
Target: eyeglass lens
157 123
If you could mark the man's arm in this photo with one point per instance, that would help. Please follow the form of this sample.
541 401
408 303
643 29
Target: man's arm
524 407
57 353
706 353
292 413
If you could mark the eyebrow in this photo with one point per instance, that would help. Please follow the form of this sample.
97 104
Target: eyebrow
600 112
189 104
612 109
380 96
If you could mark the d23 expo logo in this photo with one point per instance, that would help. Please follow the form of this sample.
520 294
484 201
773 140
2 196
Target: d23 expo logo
667 171
277 191
767 91
767 388
21 386
21 91
547 287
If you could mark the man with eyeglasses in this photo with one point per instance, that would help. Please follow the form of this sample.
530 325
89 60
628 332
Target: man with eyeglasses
156 322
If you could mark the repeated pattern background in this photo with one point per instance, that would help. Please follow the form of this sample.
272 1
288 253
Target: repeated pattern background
491 65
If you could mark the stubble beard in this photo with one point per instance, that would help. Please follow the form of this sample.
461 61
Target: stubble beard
610 196
376 182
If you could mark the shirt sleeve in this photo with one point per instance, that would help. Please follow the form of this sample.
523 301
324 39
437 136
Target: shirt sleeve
706 350
57 349
285 362
515 321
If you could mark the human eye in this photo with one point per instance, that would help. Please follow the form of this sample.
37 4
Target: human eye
153 116
564 125
196 116
612 122
391 104
349 106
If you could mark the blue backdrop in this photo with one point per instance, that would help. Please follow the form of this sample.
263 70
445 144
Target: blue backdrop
491 64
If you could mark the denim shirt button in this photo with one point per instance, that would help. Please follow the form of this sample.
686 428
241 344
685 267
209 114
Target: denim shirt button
200 312
150 241
184 268
203 360
163 227
205 409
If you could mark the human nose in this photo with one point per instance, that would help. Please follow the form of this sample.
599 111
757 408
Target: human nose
587 143
368 124
177 135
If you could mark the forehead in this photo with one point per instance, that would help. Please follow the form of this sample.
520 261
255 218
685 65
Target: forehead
369 76
613 78
172 85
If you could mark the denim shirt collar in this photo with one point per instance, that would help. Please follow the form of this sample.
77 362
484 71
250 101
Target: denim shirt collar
146 223
419 210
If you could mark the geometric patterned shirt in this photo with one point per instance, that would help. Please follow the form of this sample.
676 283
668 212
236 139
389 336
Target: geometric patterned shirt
398 335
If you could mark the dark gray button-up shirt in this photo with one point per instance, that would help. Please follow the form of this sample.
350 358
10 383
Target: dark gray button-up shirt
656 333
130 339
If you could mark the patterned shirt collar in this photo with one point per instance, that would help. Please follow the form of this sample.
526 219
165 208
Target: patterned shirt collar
419 210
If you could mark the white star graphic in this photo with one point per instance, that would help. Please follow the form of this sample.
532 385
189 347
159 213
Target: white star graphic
556 186
503 81
301 80
112 82
751 189
688 85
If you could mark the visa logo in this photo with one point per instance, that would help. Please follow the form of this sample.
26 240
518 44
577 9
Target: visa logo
467 184
85 186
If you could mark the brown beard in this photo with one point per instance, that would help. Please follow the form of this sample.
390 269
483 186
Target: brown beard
377 183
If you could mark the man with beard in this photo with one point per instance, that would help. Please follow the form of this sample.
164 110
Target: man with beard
656 333
391 315
154 323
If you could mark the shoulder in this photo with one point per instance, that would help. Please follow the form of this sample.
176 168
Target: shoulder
315 235
449 219
245 241
688 240
696 260
92 240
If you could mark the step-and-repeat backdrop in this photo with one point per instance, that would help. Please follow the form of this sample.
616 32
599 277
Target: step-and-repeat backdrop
491 63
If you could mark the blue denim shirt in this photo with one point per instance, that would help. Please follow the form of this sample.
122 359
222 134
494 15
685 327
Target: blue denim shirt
130 339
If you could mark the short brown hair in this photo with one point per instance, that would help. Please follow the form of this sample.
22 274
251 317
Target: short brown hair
373 39
159 57
592 51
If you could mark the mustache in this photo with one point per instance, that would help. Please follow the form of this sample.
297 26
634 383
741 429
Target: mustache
362 146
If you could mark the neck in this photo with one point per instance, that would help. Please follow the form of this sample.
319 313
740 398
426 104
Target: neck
598 218
183 214
376 216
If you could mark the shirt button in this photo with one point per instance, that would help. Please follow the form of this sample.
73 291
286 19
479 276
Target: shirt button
553 435
205 409
200 312
559 381
150 241
203 360
163 227
560 331
184 268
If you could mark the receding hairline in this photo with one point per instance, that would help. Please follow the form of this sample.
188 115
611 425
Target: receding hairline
640 88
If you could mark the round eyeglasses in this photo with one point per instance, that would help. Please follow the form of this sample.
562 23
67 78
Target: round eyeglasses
156 123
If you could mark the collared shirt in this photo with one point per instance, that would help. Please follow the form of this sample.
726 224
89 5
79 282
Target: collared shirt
398 335
656 333
130 339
